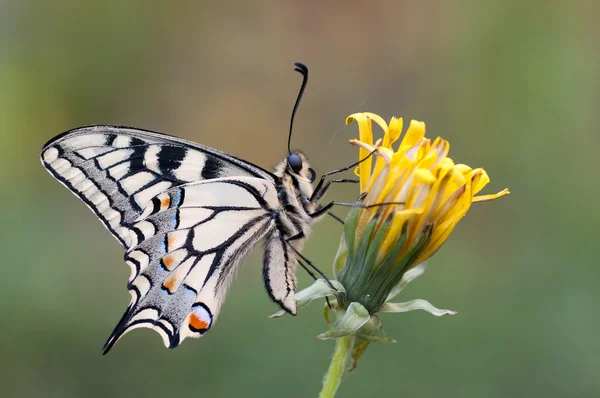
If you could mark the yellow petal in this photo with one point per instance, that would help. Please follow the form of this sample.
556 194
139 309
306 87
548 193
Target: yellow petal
443 169
393 132
463 168
429 159
487 198
414 134
442 148
435 198
398 221
424 175
447 163
448 203
368 147
457 179
377 119
442 231
480 181
366 136
383 158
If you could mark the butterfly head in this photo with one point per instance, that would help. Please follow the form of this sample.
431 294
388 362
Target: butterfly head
295 167
297 164
296 176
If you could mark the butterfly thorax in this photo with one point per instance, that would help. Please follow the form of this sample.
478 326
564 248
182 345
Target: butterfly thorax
294 190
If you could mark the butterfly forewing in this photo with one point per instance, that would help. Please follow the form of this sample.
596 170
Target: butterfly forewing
117 170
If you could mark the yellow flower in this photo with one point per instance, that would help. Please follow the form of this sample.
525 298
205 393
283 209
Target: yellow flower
428 193
411 198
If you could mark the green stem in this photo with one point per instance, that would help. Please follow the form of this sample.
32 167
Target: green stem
333 378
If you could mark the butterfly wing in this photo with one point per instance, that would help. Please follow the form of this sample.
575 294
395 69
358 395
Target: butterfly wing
187 252
116 171
279 270
185 221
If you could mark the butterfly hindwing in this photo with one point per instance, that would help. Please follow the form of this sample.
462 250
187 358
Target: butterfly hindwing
188 252
117 170
279 271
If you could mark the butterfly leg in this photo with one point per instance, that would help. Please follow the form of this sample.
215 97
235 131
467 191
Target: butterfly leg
318 194
301 258
310 264
296 237
336 218
320 189
299 235
321 211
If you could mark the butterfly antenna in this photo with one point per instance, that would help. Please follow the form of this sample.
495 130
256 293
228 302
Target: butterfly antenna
300 68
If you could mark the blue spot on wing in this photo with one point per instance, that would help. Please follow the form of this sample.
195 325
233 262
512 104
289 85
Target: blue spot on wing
163 245
177 197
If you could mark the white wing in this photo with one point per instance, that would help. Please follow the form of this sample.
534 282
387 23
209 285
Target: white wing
279 270
116 171
185 250
187 215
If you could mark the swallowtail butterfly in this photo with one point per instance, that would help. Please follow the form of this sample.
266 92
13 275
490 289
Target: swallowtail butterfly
187 214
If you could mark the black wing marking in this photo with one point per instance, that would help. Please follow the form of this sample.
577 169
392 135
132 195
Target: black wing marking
279 271
186 250
115 171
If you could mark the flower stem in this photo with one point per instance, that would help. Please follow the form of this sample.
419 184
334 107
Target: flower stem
333 378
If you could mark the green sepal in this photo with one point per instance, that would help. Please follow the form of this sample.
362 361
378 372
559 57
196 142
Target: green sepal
368 264
413 305
375 339
408 277
392 270
370 329
350 225
355 264
320 288
358 350
341 257
347 322
366 335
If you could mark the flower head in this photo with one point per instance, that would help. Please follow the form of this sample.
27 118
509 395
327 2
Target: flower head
411 198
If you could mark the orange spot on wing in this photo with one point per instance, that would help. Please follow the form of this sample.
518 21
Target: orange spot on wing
170 240
169 284
168 261
197 323
165 202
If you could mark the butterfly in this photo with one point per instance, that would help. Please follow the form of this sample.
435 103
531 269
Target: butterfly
187 215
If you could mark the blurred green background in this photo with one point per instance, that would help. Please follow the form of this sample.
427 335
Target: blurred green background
512 84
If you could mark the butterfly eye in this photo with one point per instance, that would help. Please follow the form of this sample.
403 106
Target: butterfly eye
295 162
313 175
